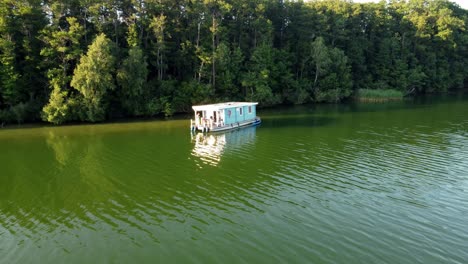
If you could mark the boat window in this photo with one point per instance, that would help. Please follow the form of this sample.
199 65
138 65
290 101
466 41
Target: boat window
240 110
250 109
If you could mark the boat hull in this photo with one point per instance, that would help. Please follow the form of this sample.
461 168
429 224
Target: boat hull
247 123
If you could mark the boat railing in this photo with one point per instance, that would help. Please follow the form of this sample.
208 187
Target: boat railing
205 122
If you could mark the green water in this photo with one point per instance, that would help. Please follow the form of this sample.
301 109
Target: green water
384 183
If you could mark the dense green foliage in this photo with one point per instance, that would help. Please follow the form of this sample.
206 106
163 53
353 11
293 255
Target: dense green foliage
76 60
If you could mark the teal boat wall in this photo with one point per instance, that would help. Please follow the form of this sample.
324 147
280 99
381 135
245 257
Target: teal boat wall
230 116
233 115
249 114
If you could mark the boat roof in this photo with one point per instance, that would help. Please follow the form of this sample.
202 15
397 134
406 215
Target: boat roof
222 105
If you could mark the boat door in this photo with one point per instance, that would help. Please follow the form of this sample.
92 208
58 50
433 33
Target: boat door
221 117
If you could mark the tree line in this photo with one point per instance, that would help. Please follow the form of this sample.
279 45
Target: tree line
94 60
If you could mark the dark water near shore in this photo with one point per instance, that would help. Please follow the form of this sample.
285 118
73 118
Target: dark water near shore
369 183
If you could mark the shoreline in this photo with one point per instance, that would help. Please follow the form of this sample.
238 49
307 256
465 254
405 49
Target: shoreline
187 115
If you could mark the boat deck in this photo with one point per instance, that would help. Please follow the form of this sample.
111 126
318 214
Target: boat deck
218 127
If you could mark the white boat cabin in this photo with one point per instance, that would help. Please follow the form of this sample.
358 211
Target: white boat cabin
224 116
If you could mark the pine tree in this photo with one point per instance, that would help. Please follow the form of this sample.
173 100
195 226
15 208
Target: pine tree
131 78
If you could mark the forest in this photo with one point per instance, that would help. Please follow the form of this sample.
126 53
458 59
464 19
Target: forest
95 60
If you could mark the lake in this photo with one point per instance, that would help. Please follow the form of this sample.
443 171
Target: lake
357 183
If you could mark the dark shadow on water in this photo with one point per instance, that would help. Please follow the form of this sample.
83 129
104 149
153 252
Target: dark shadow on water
423 101
297 121
327 109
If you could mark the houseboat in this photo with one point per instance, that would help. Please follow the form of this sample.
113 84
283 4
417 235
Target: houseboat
224 116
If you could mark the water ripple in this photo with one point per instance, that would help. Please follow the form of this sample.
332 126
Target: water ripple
354 190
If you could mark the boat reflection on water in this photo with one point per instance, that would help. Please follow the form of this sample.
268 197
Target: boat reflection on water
209 148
